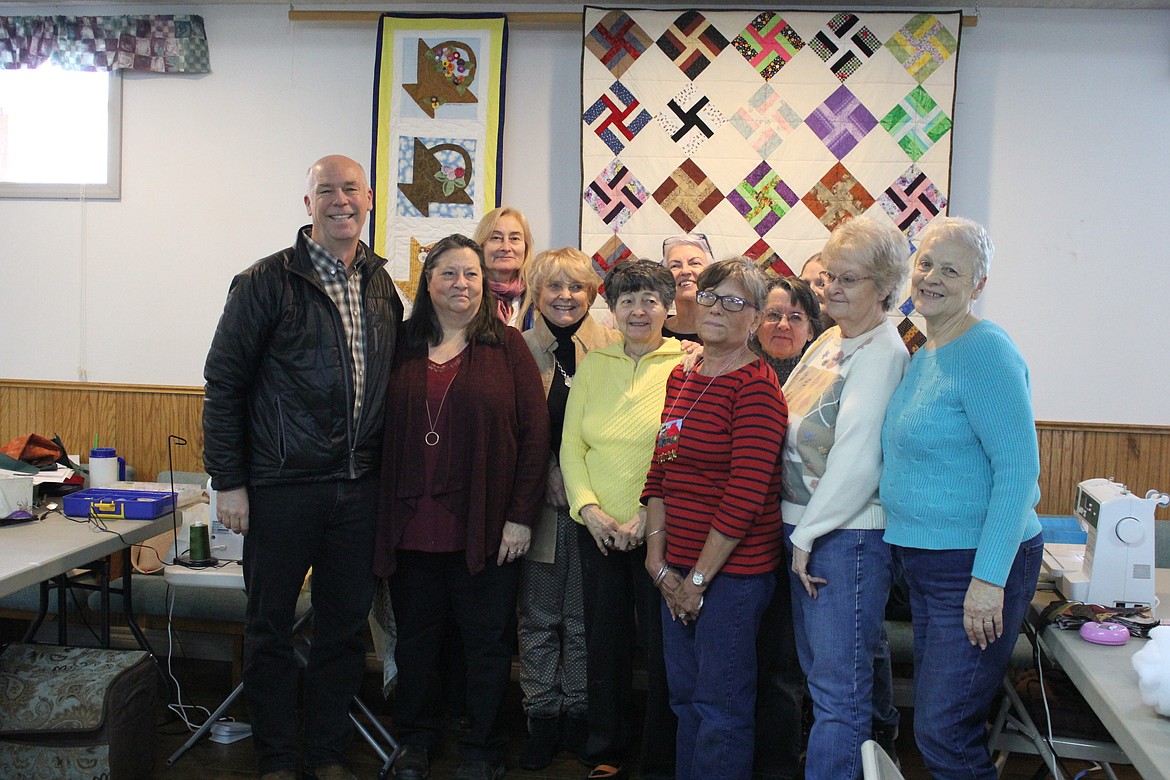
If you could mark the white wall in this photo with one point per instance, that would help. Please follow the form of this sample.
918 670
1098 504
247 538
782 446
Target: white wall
1059 119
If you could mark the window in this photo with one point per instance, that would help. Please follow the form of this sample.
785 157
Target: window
60 133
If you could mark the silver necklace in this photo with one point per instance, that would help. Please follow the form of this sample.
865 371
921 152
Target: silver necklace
718 374
432 438
567 376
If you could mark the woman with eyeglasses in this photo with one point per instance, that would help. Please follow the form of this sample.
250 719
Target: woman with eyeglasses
791 321
810 273
960 490
507 249
611 419
833 519
685 257
713 524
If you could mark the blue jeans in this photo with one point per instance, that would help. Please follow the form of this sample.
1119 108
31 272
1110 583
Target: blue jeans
711 670
837 638
955 681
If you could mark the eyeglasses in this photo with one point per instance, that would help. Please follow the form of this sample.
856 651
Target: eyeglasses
688 238
925 266
846 280
730 303
795 319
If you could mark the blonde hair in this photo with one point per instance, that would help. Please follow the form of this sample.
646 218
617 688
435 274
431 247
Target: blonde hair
486 225
567 261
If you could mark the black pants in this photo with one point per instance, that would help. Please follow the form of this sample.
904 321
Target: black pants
780 689
328 526
429 591
623 611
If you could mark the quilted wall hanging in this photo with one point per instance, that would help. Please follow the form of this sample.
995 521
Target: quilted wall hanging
762 129
438 120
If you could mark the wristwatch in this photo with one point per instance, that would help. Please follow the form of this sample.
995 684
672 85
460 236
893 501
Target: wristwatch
698 579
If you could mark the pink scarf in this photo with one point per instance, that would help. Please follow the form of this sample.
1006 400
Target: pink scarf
506 293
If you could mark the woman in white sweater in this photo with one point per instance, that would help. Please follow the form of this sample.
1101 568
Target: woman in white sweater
840 575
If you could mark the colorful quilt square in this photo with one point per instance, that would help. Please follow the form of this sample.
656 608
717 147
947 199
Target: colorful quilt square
611 253
688 196
768 43
618 41
912 337
690 118
762 198
841 122
838 196
845 44
916 123
692 43
615 195
922 45
766 259
765 121
912 201
617 117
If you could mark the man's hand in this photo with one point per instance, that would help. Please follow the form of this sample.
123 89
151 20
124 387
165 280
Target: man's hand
231 509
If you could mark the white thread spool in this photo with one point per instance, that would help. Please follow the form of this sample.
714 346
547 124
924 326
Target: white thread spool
103 467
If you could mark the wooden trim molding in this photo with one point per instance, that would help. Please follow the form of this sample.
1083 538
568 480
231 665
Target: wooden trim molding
136 419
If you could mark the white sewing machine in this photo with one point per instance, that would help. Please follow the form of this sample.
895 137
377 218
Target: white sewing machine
1119 553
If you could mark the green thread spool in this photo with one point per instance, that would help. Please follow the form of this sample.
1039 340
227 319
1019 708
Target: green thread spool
200 543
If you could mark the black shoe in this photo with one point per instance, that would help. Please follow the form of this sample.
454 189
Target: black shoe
412 763
479 770
575 735
544 741
887 739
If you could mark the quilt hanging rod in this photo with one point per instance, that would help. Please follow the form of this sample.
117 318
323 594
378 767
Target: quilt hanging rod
525 18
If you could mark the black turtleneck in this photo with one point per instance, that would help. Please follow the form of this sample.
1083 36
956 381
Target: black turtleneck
558 393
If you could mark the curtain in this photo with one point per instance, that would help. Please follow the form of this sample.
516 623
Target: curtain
156 44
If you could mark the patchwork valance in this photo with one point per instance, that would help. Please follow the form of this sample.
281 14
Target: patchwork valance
157 44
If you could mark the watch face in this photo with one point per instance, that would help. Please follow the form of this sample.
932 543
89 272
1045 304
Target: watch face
697 578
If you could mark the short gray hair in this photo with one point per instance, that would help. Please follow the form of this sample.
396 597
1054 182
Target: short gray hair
883 249
737 269
697 240
967 233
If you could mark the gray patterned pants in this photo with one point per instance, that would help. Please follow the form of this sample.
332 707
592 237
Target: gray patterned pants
552 630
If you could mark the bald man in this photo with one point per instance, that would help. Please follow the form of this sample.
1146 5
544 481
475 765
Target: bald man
292 423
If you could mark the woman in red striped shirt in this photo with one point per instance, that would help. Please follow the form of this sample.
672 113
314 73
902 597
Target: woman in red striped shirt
713 524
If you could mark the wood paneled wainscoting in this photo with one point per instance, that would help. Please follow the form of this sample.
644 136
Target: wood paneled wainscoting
1135 455
137 419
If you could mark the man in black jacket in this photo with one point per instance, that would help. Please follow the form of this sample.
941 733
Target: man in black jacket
292 423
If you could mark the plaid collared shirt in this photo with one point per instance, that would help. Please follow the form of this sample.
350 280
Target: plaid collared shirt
345 289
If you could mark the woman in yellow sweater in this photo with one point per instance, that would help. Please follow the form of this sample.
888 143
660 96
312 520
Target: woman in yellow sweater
611 422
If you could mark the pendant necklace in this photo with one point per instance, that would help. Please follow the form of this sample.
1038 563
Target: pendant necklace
432 437
666 445
564 374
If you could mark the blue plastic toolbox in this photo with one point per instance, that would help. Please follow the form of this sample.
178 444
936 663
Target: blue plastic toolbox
111 504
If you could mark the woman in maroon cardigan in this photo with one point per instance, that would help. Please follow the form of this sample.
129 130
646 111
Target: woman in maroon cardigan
464 462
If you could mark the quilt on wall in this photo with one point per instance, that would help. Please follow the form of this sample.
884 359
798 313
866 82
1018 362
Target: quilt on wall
762 129
438 120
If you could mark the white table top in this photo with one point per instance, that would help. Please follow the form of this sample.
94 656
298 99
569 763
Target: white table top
33 552
1106 678
225 575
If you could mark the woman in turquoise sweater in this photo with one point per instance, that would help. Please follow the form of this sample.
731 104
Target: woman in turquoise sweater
960 489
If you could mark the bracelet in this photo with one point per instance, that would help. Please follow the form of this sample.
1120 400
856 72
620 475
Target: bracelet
661 574
655 531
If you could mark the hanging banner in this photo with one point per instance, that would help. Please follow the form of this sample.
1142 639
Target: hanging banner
438 125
